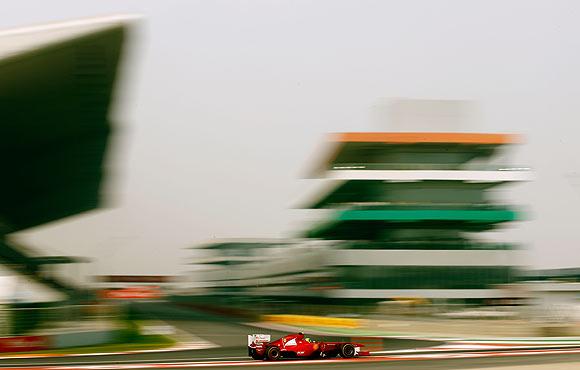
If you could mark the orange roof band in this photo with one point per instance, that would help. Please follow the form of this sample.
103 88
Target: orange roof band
425 137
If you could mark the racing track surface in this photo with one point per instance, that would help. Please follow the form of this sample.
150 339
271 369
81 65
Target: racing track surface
230 336
232 353
378 362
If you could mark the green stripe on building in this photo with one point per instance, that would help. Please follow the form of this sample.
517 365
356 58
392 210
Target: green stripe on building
429 215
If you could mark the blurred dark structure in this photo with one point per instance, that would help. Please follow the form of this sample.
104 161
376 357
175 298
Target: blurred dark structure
57 92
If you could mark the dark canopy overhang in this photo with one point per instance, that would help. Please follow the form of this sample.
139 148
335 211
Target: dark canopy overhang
55 99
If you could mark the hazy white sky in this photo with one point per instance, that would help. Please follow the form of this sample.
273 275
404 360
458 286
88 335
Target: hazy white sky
223 104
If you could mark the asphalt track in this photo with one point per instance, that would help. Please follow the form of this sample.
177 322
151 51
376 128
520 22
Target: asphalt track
377 362
231 337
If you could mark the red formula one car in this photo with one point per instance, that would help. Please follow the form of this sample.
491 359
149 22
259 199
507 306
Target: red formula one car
298 346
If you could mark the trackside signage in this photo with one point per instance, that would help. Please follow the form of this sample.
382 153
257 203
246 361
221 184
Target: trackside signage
132 293
24 343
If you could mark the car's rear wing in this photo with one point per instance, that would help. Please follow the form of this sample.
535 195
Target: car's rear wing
258 339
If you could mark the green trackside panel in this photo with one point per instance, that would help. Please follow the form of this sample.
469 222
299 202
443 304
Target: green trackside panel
54 125
429 215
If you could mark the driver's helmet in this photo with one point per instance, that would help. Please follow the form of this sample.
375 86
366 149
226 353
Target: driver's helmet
308 340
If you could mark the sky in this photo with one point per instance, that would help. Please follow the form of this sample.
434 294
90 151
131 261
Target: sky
222 106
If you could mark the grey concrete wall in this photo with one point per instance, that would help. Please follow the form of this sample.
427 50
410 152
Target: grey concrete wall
90 338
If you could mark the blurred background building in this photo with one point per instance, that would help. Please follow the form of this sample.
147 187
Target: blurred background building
254 266
406 211
409 207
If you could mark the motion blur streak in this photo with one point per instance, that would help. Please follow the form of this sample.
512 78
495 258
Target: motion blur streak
404 262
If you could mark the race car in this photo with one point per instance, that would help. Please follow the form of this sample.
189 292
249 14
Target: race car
298 346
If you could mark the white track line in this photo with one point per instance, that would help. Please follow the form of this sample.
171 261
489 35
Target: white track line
113 362
178 348
468 347
433 356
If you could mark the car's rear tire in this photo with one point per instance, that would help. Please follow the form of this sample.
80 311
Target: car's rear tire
273 353
347 351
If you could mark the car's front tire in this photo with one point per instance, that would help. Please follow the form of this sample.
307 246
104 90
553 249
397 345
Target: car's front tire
273 353
347 351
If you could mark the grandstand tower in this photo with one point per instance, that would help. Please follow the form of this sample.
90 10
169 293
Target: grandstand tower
407 213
